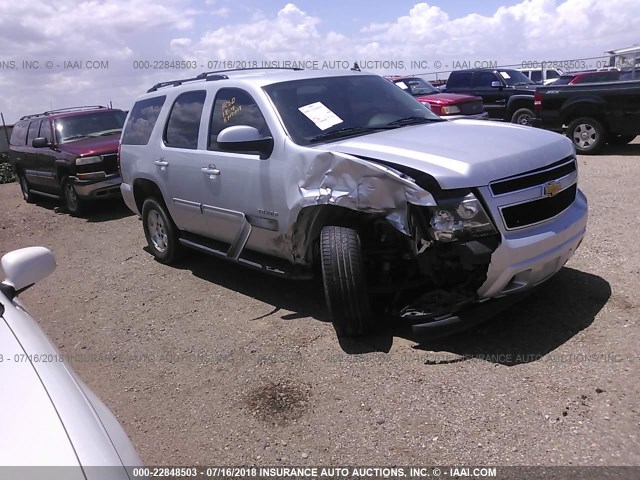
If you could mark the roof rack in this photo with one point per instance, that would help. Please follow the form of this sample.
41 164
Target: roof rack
212 76
68 109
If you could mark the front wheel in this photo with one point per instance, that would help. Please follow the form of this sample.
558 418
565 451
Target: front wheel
522 116
73 203
588 135
343 275
160 231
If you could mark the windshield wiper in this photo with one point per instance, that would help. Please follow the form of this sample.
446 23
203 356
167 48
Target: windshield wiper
75 137
344 132
401 122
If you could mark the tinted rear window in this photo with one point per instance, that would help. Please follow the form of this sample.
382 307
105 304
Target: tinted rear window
19 134
142 120
183 124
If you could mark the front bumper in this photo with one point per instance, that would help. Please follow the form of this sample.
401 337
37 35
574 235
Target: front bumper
529 256
468 318
107 187
477 116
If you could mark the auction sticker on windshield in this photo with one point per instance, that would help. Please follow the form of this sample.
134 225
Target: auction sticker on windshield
319 114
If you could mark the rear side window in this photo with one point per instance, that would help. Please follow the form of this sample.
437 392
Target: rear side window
142 120
34 128
183 123
19 133
552 74
536 76
234 106
460 80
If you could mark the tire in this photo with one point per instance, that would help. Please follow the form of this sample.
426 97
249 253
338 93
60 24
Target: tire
74 204
619 139
343 276
160 231
25 188
522 116
588 135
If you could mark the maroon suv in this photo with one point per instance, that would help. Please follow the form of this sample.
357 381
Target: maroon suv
447 105
68 154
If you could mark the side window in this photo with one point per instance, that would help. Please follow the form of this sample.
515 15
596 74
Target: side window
552 74
183 123
460 80
142 120
19 134
234 106
536 76
484 79
34 127
45 130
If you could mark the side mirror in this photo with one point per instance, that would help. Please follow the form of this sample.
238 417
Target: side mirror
496 84
25 267
243 138
40 142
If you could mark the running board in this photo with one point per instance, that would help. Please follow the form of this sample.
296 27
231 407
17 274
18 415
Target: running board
44 194
257 261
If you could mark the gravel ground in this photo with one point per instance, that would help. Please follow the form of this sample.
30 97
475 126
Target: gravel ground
209 363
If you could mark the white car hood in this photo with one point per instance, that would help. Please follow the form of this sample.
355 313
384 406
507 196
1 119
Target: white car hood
32 433
461 153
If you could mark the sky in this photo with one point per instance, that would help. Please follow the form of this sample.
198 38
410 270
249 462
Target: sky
63 53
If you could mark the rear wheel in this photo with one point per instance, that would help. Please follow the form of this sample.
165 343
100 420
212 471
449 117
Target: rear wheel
160 231
522 116
73 203
26 188
588 135
343 275
619 139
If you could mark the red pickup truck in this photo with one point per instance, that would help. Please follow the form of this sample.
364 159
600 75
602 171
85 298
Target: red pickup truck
447 105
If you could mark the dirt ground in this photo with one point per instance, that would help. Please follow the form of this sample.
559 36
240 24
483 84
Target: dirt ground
209 363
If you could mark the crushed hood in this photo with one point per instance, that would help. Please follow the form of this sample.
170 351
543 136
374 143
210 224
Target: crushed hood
461 153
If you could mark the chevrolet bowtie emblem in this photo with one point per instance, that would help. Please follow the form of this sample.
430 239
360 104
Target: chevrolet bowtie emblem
551 189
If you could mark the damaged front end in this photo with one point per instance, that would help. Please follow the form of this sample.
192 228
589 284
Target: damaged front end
427 250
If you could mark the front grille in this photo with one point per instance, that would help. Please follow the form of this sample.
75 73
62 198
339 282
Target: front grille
471 108
536 177
529 213
110 163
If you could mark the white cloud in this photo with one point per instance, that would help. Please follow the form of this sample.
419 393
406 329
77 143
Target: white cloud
289 35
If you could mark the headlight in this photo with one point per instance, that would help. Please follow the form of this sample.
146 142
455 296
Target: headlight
426 104
88 160
449 110
459 218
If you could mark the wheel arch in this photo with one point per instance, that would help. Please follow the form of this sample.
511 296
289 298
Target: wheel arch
312 219
144 188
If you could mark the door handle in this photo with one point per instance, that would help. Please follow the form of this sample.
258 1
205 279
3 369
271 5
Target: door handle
161 163
210 170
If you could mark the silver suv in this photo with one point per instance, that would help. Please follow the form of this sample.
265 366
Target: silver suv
405 214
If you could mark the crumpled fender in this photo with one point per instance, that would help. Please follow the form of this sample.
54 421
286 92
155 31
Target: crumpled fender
339 179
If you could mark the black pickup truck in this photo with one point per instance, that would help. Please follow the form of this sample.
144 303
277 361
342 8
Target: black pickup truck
592 115
507 94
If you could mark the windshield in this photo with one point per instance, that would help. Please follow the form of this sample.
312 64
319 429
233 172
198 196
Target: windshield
416 86
514 77
96 124
327 108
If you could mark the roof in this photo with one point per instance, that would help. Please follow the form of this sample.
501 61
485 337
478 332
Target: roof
71 112
260 77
